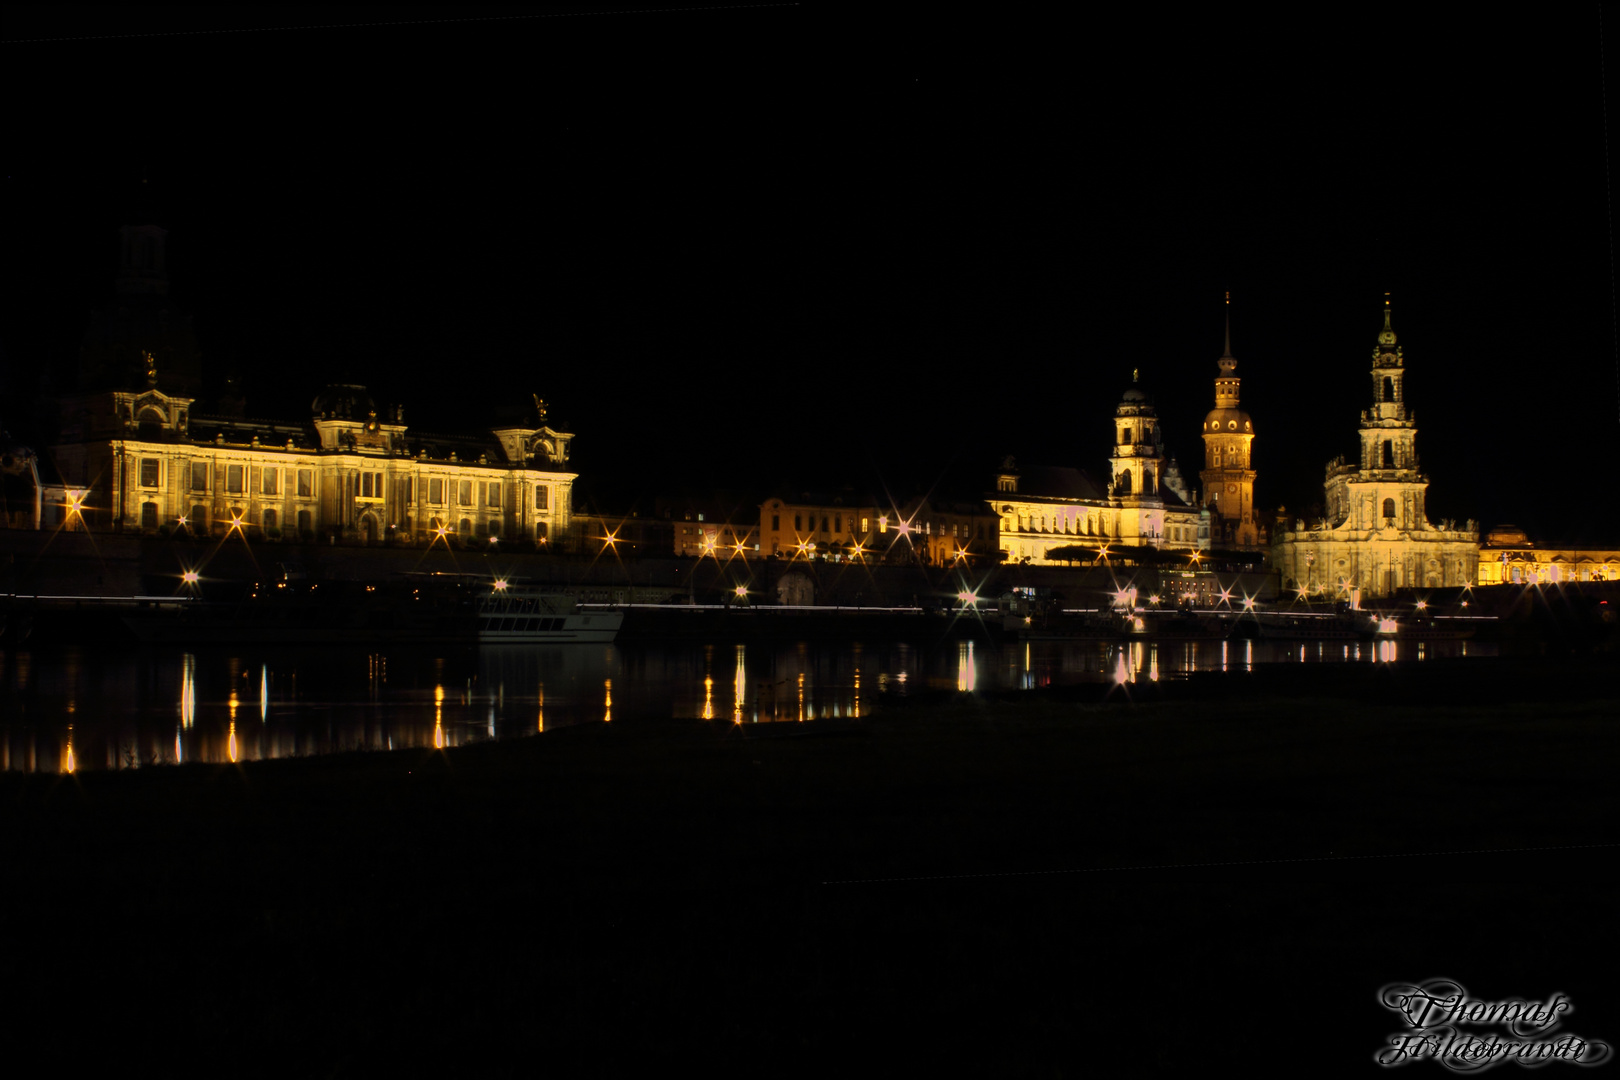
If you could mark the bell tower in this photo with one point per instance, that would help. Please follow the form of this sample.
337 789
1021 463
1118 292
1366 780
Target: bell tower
1228 473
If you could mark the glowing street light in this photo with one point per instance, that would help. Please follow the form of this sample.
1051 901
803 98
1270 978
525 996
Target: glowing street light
741 591
500 584
191 577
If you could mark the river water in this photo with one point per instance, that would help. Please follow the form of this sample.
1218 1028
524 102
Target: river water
76 708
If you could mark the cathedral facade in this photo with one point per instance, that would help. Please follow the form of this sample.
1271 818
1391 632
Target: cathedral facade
1377 537
1145 502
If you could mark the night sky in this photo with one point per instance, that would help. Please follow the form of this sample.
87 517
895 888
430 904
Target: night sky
784 246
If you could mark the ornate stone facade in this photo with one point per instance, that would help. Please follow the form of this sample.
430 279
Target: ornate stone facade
144 461
1377 537
1509 557
1228 472
1145 503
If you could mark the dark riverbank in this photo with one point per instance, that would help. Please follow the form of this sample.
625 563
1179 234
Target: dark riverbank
605 895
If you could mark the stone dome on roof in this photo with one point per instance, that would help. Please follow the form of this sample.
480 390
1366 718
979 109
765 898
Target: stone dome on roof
1229 421
343 401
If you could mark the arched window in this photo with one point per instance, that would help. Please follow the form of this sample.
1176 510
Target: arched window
1125 482
1389 507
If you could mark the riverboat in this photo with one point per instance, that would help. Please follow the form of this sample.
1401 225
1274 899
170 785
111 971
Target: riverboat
513 616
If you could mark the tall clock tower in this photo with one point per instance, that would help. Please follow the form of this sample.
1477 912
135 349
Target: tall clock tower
1228 472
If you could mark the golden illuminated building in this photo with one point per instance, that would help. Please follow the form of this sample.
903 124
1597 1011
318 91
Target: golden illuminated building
135 455
145 462
1376 537
1509 557
930 531
1228 472
1047 512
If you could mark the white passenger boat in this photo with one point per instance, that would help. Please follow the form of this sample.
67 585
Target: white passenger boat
515 616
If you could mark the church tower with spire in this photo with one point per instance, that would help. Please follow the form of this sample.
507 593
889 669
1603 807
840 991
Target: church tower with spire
1228 472
1377 537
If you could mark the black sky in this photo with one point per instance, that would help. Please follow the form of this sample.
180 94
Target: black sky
783 245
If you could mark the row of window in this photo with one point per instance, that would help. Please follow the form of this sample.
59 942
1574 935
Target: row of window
370 485
197 521
927 528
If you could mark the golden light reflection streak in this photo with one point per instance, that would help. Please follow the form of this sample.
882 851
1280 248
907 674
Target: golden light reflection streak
738 687
230 740
607 704
438 717
188 690
264 692
68 763
708 698
857 710
801 697
541 707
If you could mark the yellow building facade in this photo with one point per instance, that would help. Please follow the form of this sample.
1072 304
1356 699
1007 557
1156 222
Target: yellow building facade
143 462
1376 537
934 533
1145 502
1509 557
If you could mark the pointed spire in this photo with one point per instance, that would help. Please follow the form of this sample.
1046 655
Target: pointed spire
1387 335
1228 352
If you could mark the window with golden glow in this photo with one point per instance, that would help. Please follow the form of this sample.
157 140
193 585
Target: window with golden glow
436 491
495 494
234 479
464 494
271 483
542 497
199 476
149 472
306 483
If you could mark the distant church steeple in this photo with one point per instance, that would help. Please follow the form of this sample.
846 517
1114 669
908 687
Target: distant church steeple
1228 474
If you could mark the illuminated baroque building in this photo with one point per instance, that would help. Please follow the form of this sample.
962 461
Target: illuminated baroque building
1377 537
133 455
1509 557
1228 473
1146 502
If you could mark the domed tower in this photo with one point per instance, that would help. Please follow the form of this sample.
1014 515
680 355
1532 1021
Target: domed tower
1138 458
1228 472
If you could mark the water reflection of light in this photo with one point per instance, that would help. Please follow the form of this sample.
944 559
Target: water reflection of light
264 692
68 763
856 710
708 697
1386 651
965 676
801 696
188 692
230 742
491 723
1122 669
540 707
438 717
737 698
179 753
1153 662
1248 656
1223 656
607 705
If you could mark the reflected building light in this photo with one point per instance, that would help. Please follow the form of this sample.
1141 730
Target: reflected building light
179 751
188 690
264 692
738 689
801 696
1122 669
708 698
607 703
492 719
856 710
68 762
1153 663
230 743
438 717
1248 655
540 708
1223 656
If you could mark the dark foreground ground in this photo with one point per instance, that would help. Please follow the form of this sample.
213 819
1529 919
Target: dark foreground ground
1224 876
